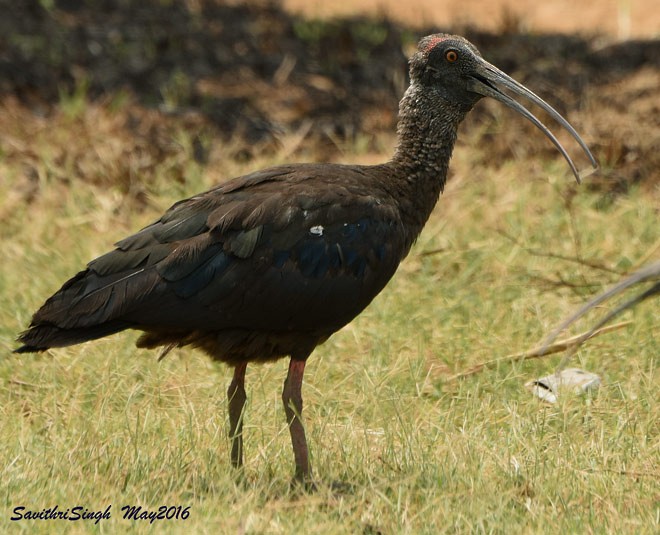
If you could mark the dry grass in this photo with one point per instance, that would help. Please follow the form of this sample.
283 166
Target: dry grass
105 424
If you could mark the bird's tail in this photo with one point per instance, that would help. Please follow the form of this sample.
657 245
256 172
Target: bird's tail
87 307
43 336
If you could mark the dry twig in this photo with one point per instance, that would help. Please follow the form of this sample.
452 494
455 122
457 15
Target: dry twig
542 351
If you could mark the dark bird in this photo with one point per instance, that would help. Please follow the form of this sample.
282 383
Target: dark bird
271 264
647 274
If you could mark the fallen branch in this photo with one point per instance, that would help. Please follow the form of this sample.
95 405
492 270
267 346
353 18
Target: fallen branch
19 382
655 475
560 345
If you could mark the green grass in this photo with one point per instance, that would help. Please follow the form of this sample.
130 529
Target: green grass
106 424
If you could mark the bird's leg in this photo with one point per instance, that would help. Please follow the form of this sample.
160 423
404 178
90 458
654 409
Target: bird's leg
237 397
293 406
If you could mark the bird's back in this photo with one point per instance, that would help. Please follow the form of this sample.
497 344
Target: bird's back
251 270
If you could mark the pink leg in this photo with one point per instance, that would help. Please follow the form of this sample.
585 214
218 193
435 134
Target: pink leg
293 406
237 397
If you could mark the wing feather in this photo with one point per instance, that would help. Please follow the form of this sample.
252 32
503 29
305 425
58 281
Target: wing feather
291 248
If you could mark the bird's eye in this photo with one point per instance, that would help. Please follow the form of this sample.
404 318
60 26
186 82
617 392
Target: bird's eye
451 56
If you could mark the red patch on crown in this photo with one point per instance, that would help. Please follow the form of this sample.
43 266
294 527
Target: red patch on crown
433 42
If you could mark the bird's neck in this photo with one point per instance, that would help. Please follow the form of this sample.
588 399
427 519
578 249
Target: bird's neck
426 135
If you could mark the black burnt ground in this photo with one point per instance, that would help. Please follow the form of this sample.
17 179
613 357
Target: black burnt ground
253 71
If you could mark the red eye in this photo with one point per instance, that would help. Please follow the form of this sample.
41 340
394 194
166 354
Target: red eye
451 56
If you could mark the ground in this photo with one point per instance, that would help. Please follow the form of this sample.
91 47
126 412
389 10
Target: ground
257 75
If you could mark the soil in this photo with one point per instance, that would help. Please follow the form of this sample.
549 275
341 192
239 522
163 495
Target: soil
252 73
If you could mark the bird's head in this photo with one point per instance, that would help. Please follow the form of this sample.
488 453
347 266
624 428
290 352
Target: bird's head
452 69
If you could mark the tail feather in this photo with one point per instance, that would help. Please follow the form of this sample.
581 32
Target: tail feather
87 307
42 337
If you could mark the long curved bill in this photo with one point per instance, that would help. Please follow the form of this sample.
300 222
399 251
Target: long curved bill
484 80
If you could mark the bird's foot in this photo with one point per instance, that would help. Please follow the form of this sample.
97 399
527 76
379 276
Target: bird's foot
303 483
335 488
240 478
342 488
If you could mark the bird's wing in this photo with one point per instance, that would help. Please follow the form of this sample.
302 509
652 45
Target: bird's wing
281 249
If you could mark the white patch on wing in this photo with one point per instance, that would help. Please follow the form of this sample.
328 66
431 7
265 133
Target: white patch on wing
316 230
